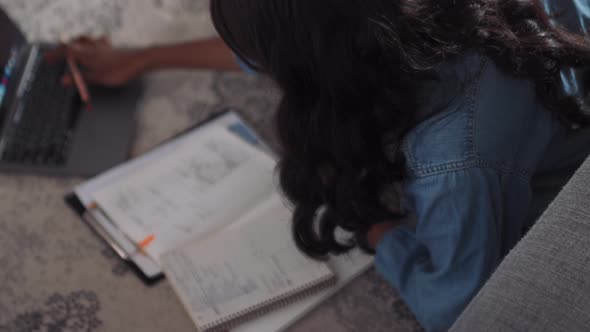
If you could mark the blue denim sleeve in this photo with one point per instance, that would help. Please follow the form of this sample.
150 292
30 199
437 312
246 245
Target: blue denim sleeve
439 265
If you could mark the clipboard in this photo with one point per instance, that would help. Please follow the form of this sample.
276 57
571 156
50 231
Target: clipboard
79 199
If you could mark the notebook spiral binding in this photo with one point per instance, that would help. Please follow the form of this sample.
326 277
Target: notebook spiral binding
265 307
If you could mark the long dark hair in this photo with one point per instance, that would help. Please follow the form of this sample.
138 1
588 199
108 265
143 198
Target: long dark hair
350 70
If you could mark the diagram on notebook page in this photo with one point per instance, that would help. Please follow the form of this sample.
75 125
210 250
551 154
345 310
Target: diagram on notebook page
194 188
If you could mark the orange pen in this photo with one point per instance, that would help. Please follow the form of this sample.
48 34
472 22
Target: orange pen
146 242
141 245
78 78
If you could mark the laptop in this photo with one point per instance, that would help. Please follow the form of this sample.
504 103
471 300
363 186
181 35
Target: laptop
44 126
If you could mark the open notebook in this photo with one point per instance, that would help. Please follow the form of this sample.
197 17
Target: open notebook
202 186
220 231
244 270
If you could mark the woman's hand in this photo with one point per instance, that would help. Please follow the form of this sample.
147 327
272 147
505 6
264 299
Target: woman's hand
100 62
377 232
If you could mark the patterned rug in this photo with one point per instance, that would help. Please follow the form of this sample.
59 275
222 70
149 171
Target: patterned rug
55 275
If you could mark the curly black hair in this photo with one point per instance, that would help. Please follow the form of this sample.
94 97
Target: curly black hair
350 71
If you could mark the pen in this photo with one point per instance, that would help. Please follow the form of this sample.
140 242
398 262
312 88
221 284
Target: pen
140 246
78 79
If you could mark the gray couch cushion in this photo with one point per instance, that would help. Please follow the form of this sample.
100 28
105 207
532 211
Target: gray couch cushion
544 283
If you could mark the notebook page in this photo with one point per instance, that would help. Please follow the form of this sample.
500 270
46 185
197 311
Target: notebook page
242 267
346 267
202 185
230 121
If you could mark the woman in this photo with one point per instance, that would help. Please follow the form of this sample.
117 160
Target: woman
461 103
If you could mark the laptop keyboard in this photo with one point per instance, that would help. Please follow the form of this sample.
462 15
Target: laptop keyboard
42 127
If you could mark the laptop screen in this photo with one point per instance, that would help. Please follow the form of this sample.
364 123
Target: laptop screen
6 73
11 39
10 36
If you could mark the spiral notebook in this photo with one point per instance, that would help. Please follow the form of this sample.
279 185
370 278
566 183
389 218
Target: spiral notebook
246 270
221 231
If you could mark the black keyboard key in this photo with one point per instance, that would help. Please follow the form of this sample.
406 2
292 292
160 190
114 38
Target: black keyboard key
9 155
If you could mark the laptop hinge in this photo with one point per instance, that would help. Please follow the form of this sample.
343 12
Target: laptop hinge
27 76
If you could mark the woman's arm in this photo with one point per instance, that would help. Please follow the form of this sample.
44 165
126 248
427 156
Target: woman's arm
104 64
439 265
201 54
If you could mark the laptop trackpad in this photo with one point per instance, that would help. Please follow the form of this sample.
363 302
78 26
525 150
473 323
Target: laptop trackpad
104 134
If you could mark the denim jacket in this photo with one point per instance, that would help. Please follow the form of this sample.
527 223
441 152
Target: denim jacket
481 169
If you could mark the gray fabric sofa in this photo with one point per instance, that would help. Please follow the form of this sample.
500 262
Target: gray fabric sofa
544 283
